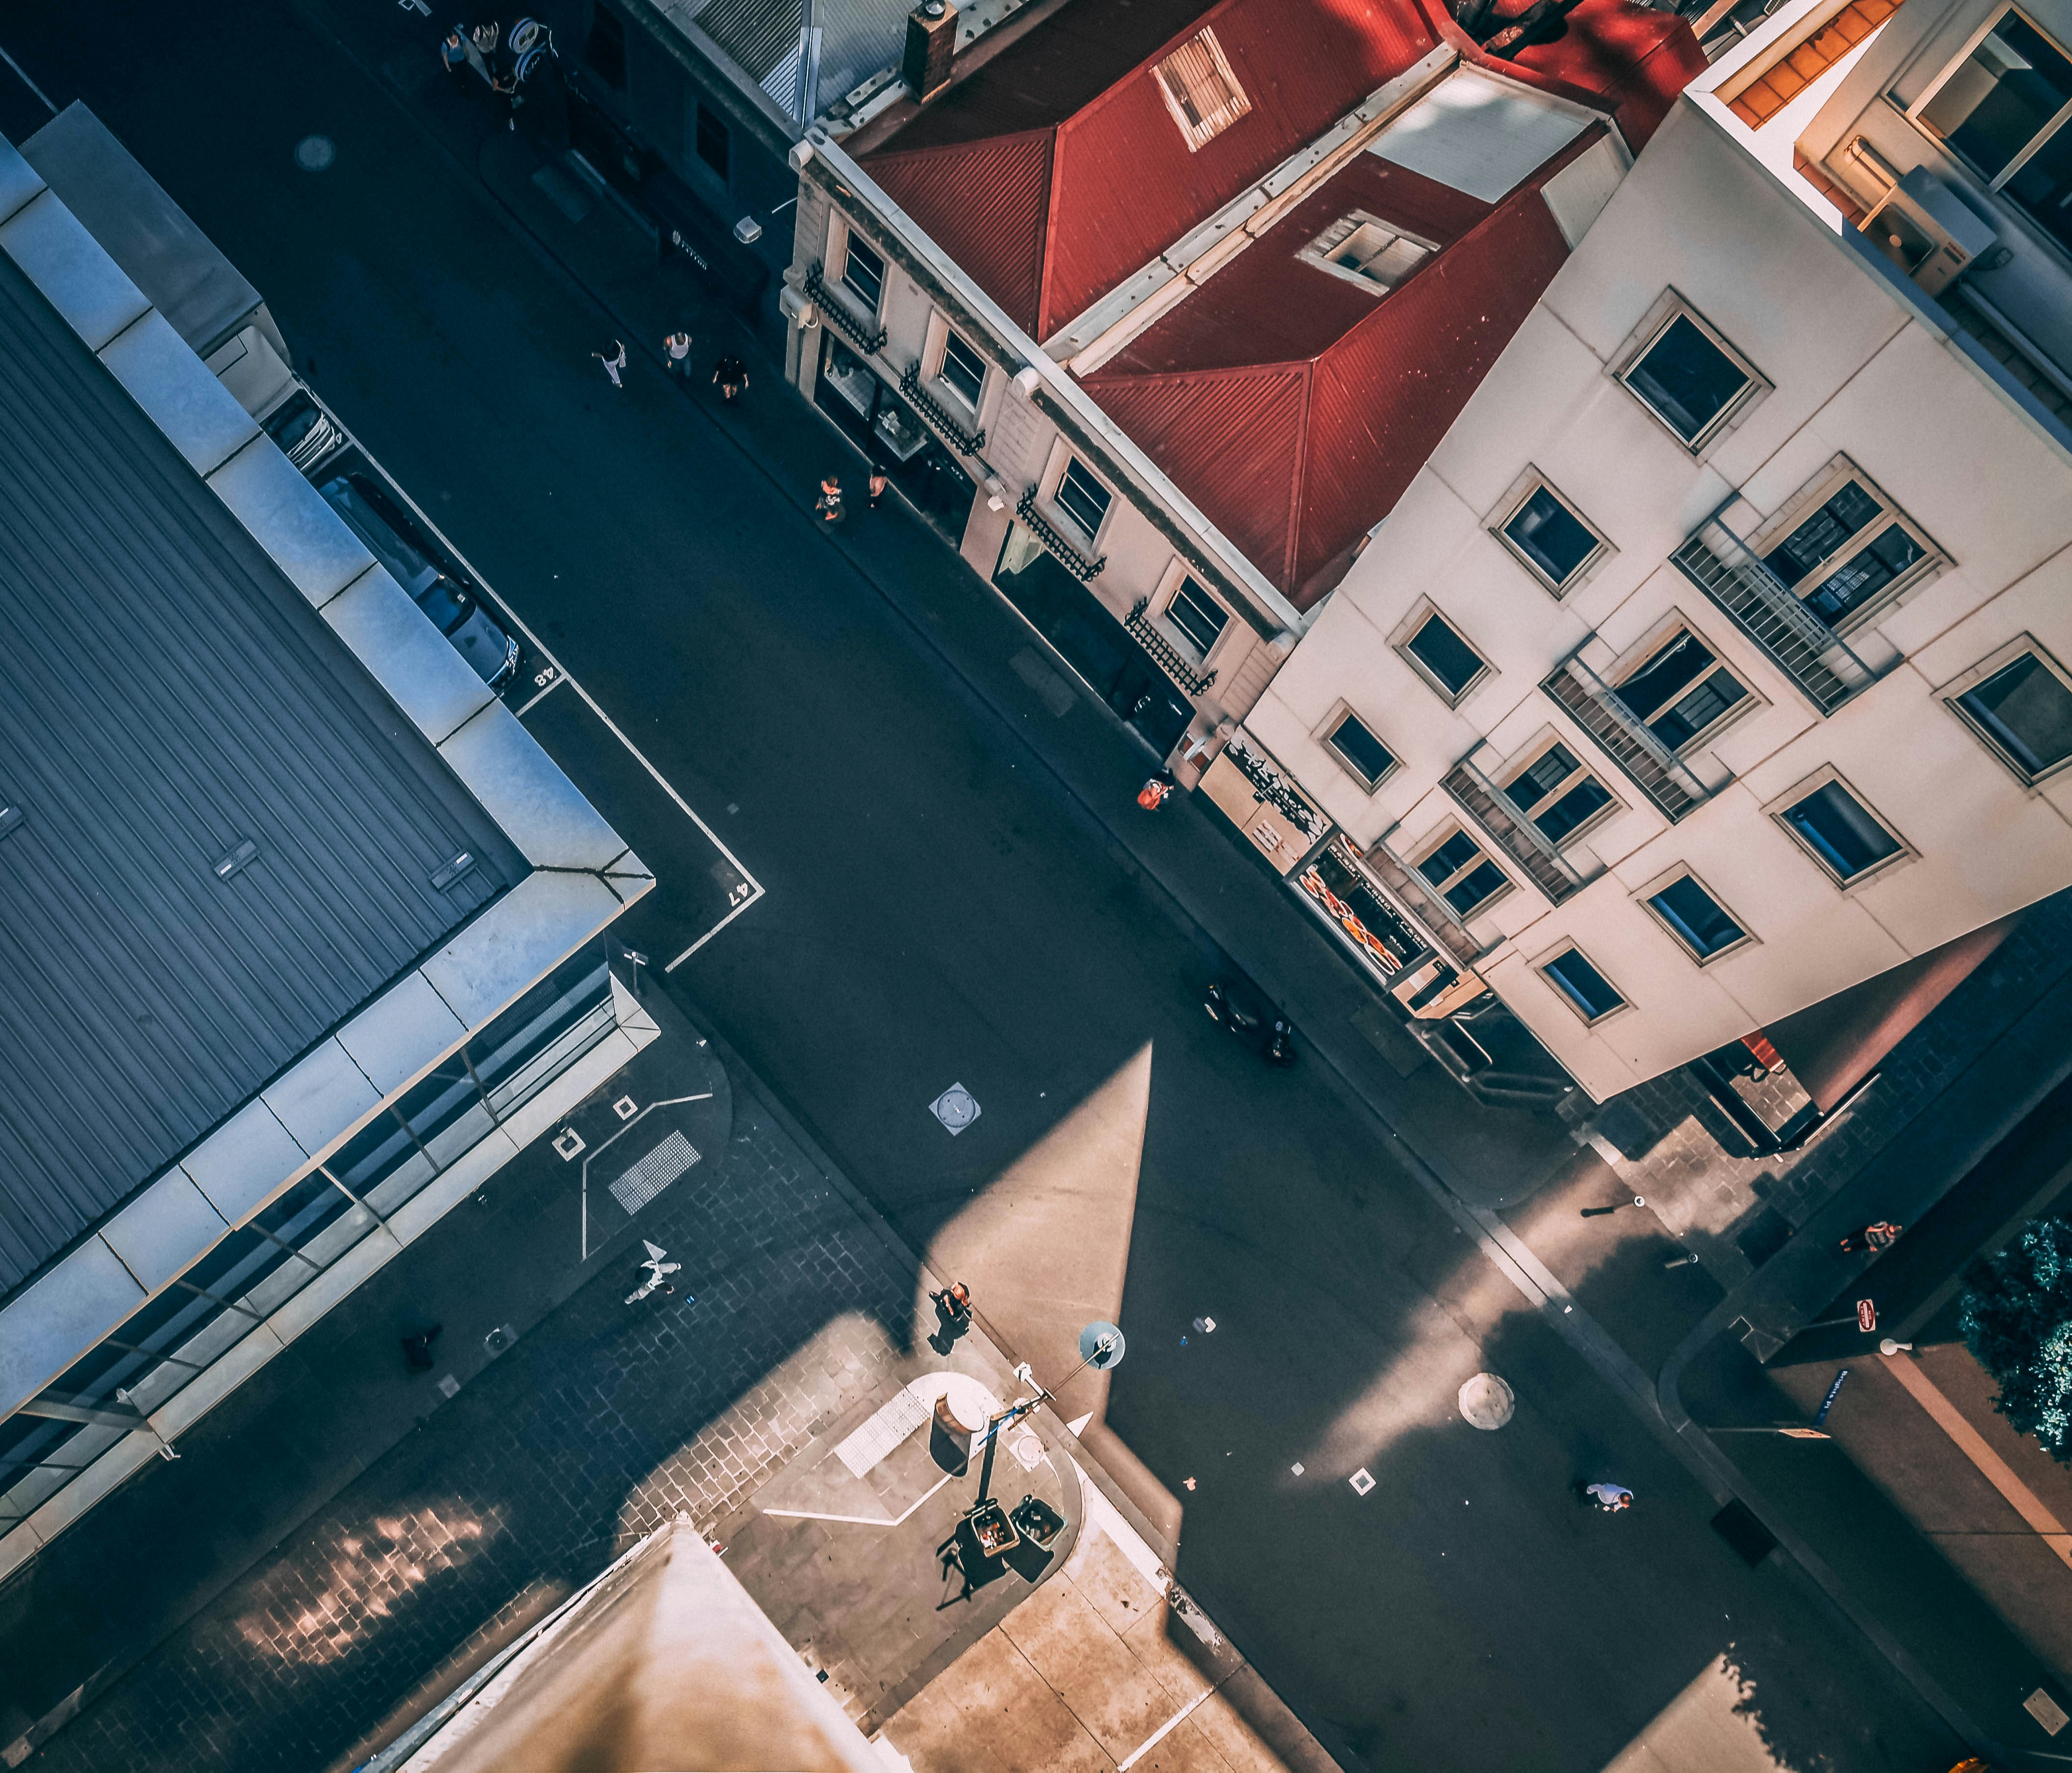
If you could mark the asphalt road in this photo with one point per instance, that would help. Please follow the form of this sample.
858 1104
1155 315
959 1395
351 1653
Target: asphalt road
935 907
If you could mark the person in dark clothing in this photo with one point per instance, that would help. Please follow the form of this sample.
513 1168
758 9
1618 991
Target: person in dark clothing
1876 1238
731 375
876 485
417 1349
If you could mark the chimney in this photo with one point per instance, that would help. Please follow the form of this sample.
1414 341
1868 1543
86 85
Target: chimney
931 46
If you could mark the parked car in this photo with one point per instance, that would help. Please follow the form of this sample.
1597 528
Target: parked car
476 634
306 432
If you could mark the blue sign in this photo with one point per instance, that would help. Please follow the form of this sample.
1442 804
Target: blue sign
1827 1402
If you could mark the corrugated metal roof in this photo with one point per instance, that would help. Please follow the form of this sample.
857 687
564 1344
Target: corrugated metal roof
758 34
166 696
985 204
1637 59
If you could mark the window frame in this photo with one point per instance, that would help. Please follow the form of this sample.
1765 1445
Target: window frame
1346 226
2060 120
1422 613
1645 898
850 241
1071 460
1639 657
1668 309
1445 834
1513 504
1235 106
1811 785
1589 1019
1776 530
2024 645
1326 735
1181 578
940 377
1515 770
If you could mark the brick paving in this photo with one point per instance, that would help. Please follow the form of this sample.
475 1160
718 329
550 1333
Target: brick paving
603 1422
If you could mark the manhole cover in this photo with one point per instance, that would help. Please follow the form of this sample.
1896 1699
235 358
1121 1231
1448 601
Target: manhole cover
499 1340
956 1108
1487 1401
315 153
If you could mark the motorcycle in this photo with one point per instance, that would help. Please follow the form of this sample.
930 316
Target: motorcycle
1253 1021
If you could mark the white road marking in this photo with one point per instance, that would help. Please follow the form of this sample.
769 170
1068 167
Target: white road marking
858 1520
553 684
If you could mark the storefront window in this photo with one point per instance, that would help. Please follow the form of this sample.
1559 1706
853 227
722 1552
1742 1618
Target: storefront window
1354 907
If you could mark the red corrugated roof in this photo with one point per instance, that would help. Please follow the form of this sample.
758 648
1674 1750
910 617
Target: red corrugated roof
985 203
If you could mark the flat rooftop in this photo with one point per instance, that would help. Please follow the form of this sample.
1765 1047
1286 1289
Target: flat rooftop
167 697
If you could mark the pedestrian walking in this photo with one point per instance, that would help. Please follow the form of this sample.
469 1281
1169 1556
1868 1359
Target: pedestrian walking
1609 1498
954 1301
453 52
731 376
1877 1237
1152 795
614 363
876 485
828 507
417 1349
677 352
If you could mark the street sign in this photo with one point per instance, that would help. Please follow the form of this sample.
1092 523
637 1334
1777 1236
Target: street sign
1827 1402
1866 1315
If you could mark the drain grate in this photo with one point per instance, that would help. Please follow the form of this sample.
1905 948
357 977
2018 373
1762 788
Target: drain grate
654 1172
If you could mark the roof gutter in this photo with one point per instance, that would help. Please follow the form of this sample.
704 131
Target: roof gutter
1053 391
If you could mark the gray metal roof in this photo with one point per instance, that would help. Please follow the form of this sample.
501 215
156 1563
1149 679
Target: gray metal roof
180 269
166 696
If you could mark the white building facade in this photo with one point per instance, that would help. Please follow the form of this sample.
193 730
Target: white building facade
1720 657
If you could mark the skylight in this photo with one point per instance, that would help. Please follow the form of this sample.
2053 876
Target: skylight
1199 88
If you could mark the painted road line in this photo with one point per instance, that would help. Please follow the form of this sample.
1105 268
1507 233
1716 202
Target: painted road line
858 1520
555 677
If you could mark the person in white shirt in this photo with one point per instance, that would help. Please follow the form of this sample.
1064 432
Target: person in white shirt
676 350
1610 1497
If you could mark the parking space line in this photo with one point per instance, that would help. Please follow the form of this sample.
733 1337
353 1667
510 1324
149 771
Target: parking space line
553 684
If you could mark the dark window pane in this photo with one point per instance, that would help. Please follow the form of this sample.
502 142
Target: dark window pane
303 1211
1362 750
2043 186
1839 831
1539 778
1583 986
1197 615
1443 653
1449 858
1082 499
606 50
864 272
1472 888
1696 916
1581 803
1687 379
2009 86
963 369
1828 530
1849 588
1660 680
2026 711
1548 534
1677 726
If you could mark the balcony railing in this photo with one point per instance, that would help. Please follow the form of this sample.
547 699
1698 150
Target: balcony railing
1515 835
1270 786
1804 648
968 443
1440 923
1164 654
1067 556
1651 765
838 316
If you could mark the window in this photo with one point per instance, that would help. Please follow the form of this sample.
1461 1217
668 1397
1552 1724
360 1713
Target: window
1452 664
1367 251
606 50
1082 497
1695 918
713 140
1359 750
1199 88
1681 691
1557 793
2024 711
1196 615
1550 538
1851 551
1463 876
2005 109
864 272
963 371
1844 836
1587 990
1688 378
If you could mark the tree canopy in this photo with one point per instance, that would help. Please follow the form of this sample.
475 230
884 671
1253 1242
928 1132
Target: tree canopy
2017 1320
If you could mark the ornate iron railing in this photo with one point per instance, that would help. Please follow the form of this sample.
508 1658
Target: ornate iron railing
968 443
845 322
1067 556
1164 654
1652 766
1270 786
1515 835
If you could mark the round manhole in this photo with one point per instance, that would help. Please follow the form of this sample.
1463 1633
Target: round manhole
315 153
1487 1401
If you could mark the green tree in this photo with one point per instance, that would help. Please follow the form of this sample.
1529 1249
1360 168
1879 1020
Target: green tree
2018 1319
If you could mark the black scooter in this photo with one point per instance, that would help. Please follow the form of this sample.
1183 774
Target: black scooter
1259 1026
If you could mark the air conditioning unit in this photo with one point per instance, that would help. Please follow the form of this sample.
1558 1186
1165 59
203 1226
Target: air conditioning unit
1928 231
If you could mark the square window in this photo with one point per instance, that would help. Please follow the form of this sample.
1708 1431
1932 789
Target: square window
1551 539
1082 497
1199 89
1197 614
1845 837
963 371
713 140
1449 661
2024 711
1587 990
1359 750
1848 552
863 273
1463 876
1689 380
2001 97
1557 793
1681 691
1695 918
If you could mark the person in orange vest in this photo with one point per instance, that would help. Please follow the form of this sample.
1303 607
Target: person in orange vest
1152 795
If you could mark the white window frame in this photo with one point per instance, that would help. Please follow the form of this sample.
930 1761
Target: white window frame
1197 135
1570 946
1991 667
2060 119
1169 587
1829 481
935 354
1431 847
1532 753
842 235
1668 307
1659 641
1319 251
1062 456
1514 501
1776 809
1682 871
1423 611
1342 710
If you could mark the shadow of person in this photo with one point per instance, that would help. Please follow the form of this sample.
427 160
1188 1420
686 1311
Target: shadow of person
951 1324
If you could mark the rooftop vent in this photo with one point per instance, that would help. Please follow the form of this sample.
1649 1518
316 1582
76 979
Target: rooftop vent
237 860
1199 88
1368 250
10 817
452 871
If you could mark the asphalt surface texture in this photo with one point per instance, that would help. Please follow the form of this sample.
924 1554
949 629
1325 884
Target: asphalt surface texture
917 898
